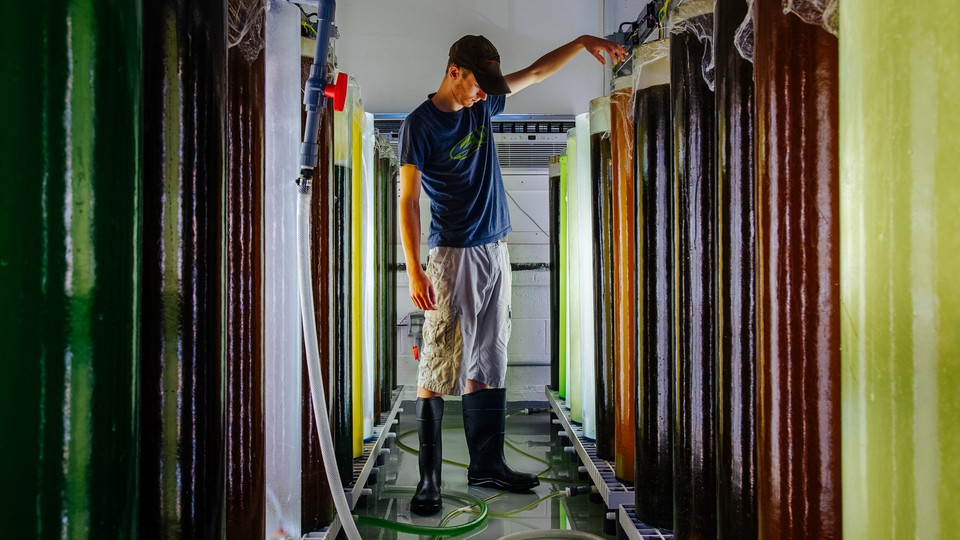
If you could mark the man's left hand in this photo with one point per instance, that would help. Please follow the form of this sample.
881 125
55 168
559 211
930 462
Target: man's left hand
597 46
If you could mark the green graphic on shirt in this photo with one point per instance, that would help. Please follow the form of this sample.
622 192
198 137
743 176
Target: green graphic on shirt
469 144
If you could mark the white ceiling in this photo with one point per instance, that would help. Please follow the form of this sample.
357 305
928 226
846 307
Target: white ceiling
397 49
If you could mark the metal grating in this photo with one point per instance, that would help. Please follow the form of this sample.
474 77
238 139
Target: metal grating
613 492
616 495
634 529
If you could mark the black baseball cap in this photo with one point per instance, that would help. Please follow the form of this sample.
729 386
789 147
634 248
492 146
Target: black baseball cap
478 55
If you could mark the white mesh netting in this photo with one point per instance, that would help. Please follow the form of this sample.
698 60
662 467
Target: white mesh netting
245 26
696 17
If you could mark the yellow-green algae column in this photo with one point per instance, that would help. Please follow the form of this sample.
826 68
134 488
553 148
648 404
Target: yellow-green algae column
900 268
356 265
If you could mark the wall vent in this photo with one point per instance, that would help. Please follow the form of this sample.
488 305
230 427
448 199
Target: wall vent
524 142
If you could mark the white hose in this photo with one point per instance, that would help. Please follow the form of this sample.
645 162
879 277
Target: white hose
320 413
551 533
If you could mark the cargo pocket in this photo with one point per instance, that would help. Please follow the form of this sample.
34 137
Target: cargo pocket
441 332
442 349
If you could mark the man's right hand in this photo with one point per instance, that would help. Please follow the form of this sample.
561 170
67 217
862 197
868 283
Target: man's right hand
421 290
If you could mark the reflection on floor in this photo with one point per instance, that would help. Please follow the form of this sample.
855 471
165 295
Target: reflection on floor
536 448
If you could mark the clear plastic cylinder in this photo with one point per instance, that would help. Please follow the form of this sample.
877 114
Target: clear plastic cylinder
585 288
369 275
655 266
281 332
601 260
624 274
900 251
574 333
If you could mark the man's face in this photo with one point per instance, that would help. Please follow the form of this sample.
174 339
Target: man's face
466 90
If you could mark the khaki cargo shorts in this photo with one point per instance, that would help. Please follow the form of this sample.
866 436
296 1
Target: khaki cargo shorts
466 336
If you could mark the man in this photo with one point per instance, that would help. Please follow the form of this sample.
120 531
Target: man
446 145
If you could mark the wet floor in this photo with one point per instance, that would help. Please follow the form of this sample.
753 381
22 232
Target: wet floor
532 446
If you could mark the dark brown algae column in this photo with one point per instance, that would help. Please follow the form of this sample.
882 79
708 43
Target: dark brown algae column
695 468
653 162
182 446
245 474
379 300
737 280
798 440
554 212
602 181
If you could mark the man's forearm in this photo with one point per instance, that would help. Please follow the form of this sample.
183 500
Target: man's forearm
551 62
410 232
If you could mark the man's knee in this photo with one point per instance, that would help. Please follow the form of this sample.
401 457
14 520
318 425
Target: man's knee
424 393
474 385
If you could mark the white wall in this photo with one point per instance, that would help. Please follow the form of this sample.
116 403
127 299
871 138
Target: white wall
397 49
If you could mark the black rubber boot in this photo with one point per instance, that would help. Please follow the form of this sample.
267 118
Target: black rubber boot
484 416
426 501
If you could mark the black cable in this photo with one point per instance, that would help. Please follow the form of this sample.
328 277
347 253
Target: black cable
305 14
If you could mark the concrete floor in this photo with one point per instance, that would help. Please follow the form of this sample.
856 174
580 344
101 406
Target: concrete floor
531 433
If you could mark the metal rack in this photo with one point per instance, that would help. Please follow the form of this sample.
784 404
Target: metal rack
634 529
617 497
363 466
601 471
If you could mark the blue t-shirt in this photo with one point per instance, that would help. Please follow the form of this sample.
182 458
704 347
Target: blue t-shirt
460 173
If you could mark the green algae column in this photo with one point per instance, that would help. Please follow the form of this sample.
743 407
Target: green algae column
900 242
564 279
69 268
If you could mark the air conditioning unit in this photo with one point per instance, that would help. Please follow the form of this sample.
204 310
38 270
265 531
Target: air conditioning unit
524 142
528 152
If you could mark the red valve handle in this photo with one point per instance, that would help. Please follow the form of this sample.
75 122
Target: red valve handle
337 92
